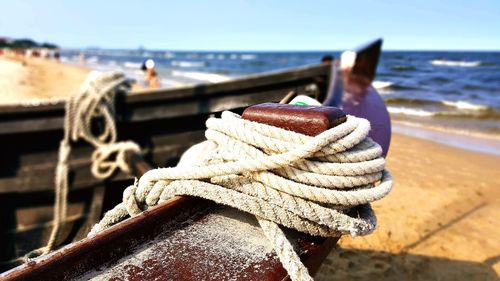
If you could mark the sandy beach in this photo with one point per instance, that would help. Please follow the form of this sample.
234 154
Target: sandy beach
439 222
32 80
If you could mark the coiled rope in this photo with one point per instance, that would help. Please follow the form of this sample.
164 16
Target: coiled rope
320 185
94 101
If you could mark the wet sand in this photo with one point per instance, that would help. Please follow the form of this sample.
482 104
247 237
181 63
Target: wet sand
439 223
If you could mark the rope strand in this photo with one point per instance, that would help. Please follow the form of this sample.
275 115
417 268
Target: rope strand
320 185
95 100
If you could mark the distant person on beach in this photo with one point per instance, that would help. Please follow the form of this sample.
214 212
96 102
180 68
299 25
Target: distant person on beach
81 58
327 59
148 66
320 83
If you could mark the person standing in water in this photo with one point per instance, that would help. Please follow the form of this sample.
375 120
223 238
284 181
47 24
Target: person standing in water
152 79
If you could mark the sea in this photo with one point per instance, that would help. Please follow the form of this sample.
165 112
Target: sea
456 92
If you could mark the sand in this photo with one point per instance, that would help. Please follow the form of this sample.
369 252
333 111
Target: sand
439 223
37 79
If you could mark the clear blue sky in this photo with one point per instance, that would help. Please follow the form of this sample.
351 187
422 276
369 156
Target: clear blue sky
256 24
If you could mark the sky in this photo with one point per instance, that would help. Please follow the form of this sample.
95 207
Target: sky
256 24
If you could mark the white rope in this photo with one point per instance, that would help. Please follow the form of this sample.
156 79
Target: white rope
103 164
318 185
94 101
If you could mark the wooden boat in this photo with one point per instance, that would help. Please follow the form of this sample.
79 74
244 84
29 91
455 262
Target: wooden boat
164 123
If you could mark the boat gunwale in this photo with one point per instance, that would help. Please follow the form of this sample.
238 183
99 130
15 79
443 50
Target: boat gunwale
87 254
151 95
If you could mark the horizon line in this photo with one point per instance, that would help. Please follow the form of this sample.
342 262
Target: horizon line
272 50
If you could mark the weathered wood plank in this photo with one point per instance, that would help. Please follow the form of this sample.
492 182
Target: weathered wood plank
35 172
293 76
172 254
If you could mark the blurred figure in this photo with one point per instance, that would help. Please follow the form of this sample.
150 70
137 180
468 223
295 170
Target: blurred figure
81 58
320 83
148 66
57 56
326 59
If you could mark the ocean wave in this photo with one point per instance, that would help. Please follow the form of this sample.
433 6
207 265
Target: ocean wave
486 113
248 57
168 55
188 64
410 111
483 87
410 101
388 85
92 59
130 64
465 105
456 63
461 105
382 84
202 76
437 79
403 68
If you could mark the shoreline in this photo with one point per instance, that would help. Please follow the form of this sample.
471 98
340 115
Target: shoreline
480 143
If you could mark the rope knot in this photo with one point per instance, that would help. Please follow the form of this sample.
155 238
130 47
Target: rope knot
107 158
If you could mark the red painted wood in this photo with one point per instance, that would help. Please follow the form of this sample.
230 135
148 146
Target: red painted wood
369 105
182 260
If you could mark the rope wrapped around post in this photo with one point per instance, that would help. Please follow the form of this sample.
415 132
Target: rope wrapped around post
320 185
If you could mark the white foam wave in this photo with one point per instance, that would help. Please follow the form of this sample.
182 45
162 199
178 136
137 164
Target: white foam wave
465 105
456 63
188 63
130 64
382 84
410 111
169 55
92 59
248 57
202 76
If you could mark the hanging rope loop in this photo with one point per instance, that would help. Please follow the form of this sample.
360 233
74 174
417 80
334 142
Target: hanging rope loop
93 103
